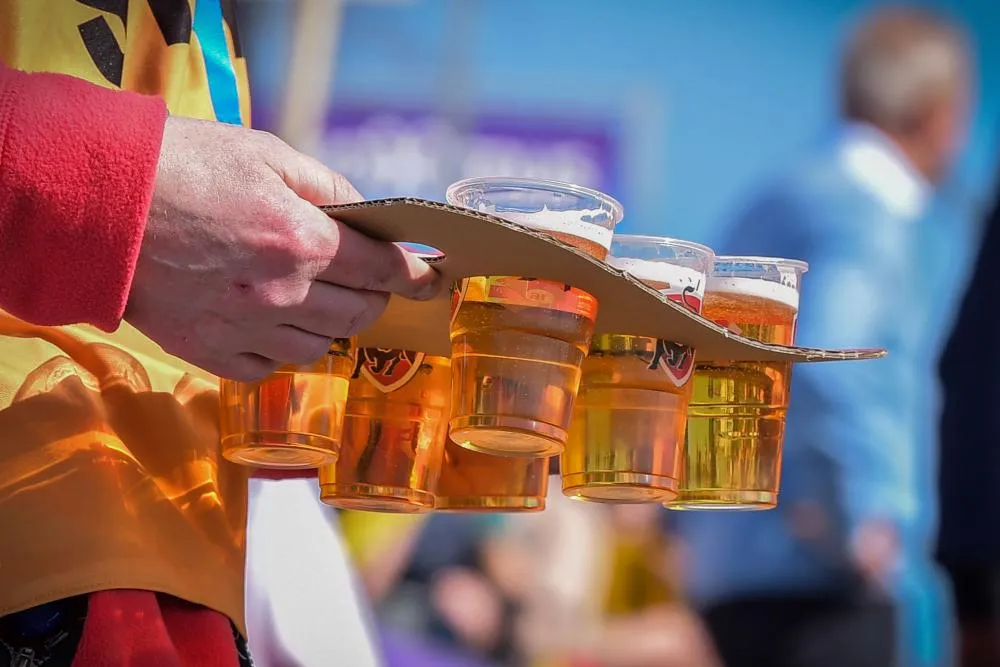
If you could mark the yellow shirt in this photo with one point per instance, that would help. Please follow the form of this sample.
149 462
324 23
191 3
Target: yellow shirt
110 471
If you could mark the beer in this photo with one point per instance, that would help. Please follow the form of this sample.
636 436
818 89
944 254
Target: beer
736 417
291 419
474 482
394 431
629 420
518 342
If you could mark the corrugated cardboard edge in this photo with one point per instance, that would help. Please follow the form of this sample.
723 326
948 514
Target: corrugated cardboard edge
406 220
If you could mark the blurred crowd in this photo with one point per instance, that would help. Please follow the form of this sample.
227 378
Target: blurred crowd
870 558
576 585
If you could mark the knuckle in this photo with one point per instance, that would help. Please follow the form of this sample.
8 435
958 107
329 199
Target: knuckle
268 141
352 313
345 192
379 276
312 351
272 299
264 297
255 297
279 216
299 243
284 294
363 317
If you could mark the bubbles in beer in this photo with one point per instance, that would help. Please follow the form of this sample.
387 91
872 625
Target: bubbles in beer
736 417
630 414
517 347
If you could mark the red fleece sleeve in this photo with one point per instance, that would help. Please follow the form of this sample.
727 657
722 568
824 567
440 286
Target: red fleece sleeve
77 167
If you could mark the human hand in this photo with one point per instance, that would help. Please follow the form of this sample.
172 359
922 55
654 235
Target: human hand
470 606
239 272
875 550
665 635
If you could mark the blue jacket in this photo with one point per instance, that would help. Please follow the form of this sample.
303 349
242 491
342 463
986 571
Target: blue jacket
860 441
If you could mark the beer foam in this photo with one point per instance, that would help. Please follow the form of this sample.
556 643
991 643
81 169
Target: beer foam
561 222
763 289
675 275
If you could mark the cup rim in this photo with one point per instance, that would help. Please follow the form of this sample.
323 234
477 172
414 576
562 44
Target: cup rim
795 264
664 240
618 211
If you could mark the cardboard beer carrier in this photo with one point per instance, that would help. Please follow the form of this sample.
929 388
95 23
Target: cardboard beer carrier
477 244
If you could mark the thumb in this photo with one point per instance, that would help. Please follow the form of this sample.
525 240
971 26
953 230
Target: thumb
311 180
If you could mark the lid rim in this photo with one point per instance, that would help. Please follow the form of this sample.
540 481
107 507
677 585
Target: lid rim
539 183
664 240
799 264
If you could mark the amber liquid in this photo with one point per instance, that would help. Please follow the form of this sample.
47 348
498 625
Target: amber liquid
628 426
290 420
736 417
474 482
392 444
516 364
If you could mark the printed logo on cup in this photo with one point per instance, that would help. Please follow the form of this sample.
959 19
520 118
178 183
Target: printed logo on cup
675 360
387 369
690 296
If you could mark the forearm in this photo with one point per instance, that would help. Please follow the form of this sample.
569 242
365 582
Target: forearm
77 168
662 636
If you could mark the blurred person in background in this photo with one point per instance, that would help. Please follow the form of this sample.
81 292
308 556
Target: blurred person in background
840 573
969 541
578 585
438 587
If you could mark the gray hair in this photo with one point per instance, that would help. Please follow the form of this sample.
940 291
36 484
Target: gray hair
897 64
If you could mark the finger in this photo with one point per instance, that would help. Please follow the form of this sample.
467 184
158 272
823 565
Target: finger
336 312
314 182
290 345
364 263
243 368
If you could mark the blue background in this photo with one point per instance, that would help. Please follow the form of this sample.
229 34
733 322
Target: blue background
704 97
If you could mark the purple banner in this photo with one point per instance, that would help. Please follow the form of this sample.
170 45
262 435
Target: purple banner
392 153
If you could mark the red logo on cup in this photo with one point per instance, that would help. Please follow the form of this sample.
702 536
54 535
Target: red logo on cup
676 361
688 297
387 369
